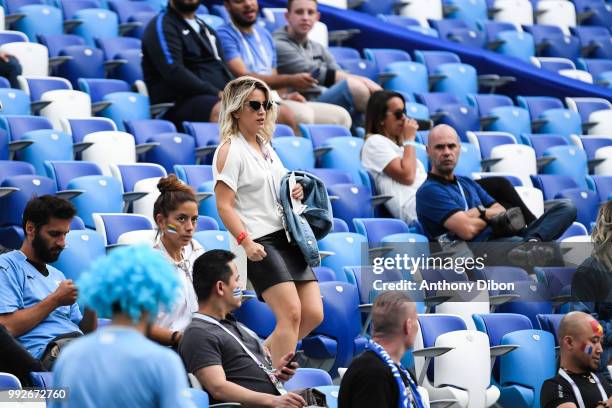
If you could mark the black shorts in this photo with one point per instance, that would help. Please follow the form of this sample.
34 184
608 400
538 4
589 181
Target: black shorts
284 263
194 109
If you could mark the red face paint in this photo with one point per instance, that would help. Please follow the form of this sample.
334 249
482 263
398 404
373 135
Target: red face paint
597 329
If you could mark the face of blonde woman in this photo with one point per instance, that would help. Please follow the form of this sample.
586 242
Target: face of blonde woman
252 116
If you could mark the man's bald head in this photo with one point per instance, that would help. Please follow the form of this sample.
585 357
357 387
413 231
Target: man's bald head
443 148
580 339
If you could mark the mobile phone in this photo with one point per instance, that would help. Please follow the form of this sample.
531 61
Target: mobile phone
315 73
298 357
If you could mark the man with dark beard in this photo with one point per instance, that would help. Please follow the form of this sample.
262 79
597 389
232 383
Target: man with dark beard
37 303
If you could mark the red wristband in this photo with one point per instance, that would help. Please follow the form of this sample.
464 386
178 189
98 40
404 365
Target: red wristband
241 237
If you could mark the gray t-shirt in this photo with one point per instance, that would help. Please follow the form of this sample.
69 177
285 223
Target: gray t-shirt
205 344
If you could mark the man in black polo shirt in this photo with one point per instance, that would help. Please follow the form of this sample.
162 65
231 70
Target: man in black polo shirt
375 378
577 385
227 358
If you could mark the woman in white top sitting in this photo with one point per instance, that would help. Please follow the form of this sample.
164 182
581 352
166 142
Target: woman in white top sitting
389 153
248 173
176 215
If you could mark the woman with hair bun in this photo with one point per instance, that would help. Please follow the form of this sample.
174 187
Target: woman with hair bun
176 216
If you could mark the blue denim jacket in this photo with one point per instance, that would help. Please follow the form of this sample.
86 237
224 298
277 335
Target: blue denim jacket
315 222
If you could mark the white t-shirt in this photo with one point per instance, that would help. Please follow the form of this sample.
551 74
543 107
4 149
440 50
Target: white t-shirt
377 152
251 177
186 302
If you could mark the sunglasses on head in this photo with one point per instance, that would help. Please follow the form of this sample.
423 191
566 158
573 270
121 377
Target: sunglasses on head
398 114
256 105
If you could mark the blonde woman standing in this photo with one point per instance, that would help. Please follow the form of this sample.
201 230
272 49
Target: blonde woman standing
248 173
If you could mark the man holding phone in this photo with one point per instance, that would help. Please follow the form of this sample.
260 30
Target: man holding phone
297 53
250 50
227 358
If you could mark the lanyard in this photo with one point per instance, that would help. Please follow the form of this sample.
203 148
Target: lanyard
265 58
463 195
269 372
576 390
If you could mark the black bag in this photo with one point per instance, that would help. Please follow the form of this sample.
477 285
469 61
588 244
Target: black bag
55 346
508 223
313 397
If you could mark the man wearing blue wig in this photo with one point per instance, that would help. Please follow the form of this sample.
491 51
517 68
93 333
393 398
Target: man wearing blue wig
117 366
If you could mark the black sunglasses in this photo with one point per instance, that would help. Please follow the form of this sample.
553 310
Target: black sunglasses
256 105
398 114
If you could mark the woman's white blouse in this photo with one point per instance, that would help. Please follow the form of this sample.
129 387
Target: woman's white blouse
186 302
377 152
251 177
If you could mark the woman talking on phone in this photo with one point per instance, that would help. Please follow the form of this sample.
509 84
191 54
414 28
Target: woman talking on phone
389 153
248 174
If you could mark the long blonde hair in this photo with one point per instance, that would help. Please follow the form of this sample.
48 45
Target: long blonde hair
602 235
235 96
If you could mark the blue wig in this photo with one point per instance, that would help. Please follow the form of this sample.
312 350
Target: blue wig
136 279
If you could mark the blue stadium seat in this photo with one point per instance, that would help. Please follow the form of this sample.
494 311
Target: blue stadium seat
114 45
344 154
520 387
14 102
281 130
557 279
206 135
382 57
344 53
332 176
376 229
62 172
39 20
338 336
173 148
586 202
96 23
518 44
11 6
409 77
130 69
9 382
550 323
10 168
18 125
346 248
208 206
360 67
85 62
469 161
574 230
9 36
471 12
194 174
82 248
324 274
598 68
141 20
206 223
36 86
550 41
432 59
308 378
485 102
48 144
13 204
509 119
340 225
129 174
553 64
552 184
126 106
141 129
294 152
198 397
70 7
541 142
102 194
591 144
459 31
602 185
111 225
593 12
596 40
213 239
57 42
79 128
256 315
569 161
127 9
318 134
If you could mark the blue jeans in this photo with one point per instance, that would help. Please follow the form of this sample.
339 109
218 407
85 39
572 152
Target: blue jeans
338 94
548 227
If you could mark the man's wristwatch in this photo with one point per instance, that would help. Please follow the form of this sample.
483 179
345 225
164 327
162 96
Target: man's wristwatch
483 212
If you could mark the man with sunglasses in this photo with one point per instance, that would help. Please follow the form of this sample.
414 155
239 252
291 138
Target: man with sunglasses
250 50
